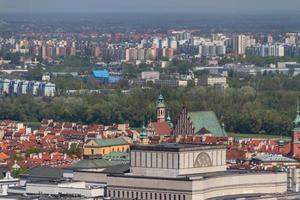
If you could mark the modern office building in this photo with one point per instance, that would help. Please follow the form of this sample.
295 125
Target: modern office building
36 88
18 87
49 90
213 81
150 75
6 86
24 89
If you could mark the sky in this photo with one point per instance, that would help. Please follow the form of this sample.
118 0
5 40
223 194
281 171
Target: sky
147 6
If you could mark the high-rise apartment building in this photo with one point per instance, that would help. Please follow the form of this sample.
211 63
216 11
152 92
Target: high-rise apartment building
240 43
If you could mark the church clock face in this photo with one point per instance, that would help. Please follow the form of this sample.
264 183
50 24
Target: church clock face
203 160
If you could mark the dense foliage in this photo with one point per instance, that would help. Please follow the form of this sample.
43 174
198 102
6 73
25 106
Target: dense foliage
255 105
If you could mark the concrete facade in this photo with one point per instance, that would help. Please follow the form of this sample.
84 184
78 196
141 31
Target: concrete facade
199 188
188 172
173 164
75 188
294 179
7 182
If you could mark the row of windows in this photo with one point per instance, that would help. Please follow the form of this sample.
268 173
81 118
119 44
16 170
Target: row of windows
123 149
145 195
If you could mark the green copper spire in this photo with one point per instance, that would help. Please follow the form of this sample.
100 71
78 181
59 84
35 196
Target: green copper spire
143 134
297 119
160 102
169 120
281 142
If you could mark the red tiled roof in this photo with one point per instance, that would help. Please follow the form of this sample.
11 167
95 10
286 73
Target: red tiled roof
161 128
211 140
255 142
67 125
233 154
3 156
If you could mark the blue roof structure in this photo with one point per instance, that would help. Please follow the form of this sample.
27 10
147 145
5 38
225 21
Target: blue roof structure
100 73
104 76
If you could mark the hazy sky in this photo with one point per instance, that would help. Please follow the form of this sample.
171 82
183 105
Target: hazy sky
149 6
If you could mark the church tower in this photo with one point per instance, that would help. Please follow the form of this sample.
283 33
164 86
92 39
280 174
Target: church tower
144 139
161 109
296 135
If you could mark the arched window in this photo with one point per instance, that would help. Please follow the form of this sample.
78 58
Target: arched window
203 160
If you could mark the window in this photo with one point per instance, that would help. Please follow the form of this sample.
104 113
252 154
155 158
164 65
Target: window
114 193
92 151
155 196
123 193
150 195
203 160
118 193
165 196
174 197
170 196
183 197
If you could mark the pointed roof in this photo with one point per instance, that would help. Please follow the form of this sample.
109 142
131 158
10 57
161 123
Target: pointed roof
281 142
169 120
297 119
160 101
206 121
161 128
143 134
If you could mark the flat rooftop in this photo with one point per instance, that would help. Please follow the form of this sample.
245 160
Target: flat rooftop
229 172
190 177
176 147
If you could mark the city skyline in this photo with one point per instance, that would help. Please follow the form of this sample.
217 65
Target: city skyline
154 6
